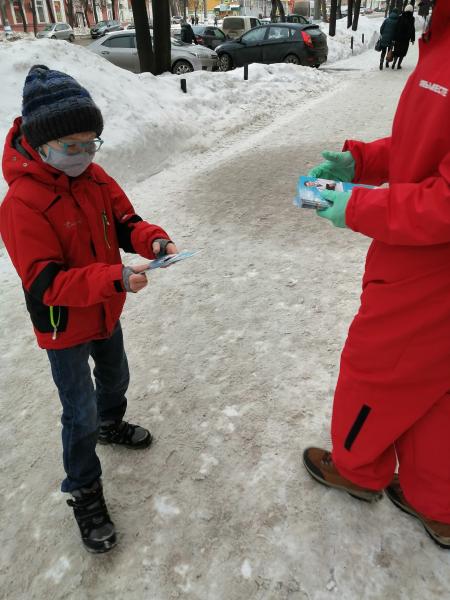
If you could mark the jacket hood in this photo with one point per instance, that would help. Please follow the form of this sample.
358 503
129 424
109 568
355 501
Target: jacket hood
22 160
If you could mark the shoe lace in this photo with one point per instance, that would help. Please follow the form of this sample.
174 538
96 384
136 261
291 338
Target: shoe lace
122 432
327 459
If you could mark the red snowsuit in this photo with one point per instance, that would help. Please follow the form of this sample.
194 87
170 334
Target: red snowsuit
393 394
63 236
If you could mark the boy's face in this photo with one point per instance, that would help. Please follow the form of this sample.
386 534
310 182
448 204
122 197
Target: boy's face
71 144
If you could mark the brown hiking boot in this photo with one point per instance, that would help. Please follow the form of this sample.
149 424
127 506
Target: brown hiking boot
319 465
439 532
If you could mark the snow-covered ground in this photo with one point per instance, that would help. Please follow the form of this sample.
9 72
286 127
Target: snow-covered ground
234 356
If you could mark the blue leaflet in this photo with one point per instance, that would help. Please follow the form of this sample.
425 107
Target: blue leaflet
169 259
309 188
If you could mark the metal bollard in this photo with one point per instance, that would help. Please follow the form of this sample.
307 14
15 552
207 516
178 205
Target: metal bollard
362 35
245 72
183 85
351 43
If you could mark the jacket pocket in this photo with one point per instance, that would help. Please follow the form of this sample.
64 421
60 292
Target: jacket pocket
46 319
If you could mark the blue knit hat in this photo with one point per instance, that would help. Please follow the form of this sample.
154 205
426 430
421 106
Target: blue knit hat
55 105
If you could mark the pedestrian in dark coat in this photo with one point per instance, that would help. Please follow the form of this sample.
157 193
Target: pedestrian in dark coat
404 33
187 34
387 32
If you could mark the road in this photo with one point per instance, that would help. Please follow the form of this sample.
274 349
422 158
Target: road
234 357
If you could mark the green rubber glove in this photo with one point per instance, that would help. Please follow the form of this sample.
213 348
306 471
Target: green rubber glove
336 212
339 166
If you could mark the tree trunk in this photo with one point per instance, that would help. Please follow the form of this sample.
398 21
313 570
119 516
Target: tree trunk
94 9
350 14
316 10
143 39
33 11
3 12
22 16
324 10
333 14
356 15
114 10
161 36
51 14
281 11
339 11
70 12
86 17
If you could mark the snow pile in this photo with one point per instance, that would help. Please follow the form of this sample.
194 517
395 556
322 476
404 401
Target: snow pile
148 119
339 45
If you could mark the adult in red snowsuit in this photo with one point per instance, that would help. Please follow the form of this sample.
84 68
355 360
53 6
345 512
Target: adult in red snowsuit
392 399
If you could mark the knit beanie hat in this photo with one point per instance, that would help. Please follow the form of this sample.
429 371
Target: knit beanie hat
54 105
409 8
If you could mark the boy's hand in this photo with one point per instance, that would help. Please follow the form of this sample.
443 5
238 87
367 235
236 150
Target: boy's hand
133 279
162 247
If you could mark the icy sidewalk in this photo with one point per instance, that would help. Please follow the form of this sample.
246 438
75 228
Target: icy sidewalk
233 357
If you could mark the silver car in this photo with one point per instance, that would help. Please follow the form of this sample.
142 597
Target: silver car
120 49
57 31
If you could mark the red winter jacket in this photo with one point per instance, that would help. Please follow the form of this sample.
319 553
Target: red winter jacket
63 236
415 160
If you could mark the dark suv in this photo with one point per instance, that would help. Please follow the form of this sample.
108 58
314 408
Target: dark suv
103 27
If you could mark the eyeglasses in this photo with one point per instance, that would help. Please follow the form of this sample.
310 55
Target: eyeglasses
77 147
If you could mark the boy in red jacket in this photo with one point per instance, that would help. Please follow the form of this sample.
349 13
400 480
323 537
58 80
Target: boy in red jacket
63 221
392 401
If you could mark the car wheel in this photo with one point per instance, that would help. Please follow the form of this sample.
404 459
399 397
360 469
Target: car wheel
71 38
181 67
225 62
53 37
292 59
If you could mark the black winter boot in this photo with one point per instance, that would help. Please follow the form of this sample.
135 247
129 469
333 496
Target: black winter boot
97 530
124 434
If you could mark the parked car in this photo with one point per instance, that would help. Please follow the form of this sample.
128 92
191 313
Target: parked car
103 27
293 19
176 19
280 42
57 31
234 27
209 36
120 49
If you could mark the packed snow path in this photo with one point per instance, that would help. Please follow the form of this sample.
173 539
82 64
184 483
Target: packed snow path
234 356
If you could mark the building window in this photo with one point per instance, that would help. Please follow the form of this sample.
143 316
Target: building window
15 9
59 11
41 11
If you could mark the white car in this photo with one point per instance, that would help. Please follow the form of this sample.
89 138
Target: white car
120 48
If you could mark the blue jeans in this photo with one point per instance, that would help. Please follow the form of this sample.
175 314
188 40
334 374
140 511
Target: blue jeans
84 406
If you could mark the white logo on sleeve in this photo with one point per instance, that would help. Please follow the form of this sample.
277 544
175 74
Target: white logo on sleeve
434 87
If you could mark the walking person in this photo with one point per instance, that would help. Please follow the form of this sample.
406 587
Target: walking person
63 221
392 400
192 20
187 34
387 32
405 33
